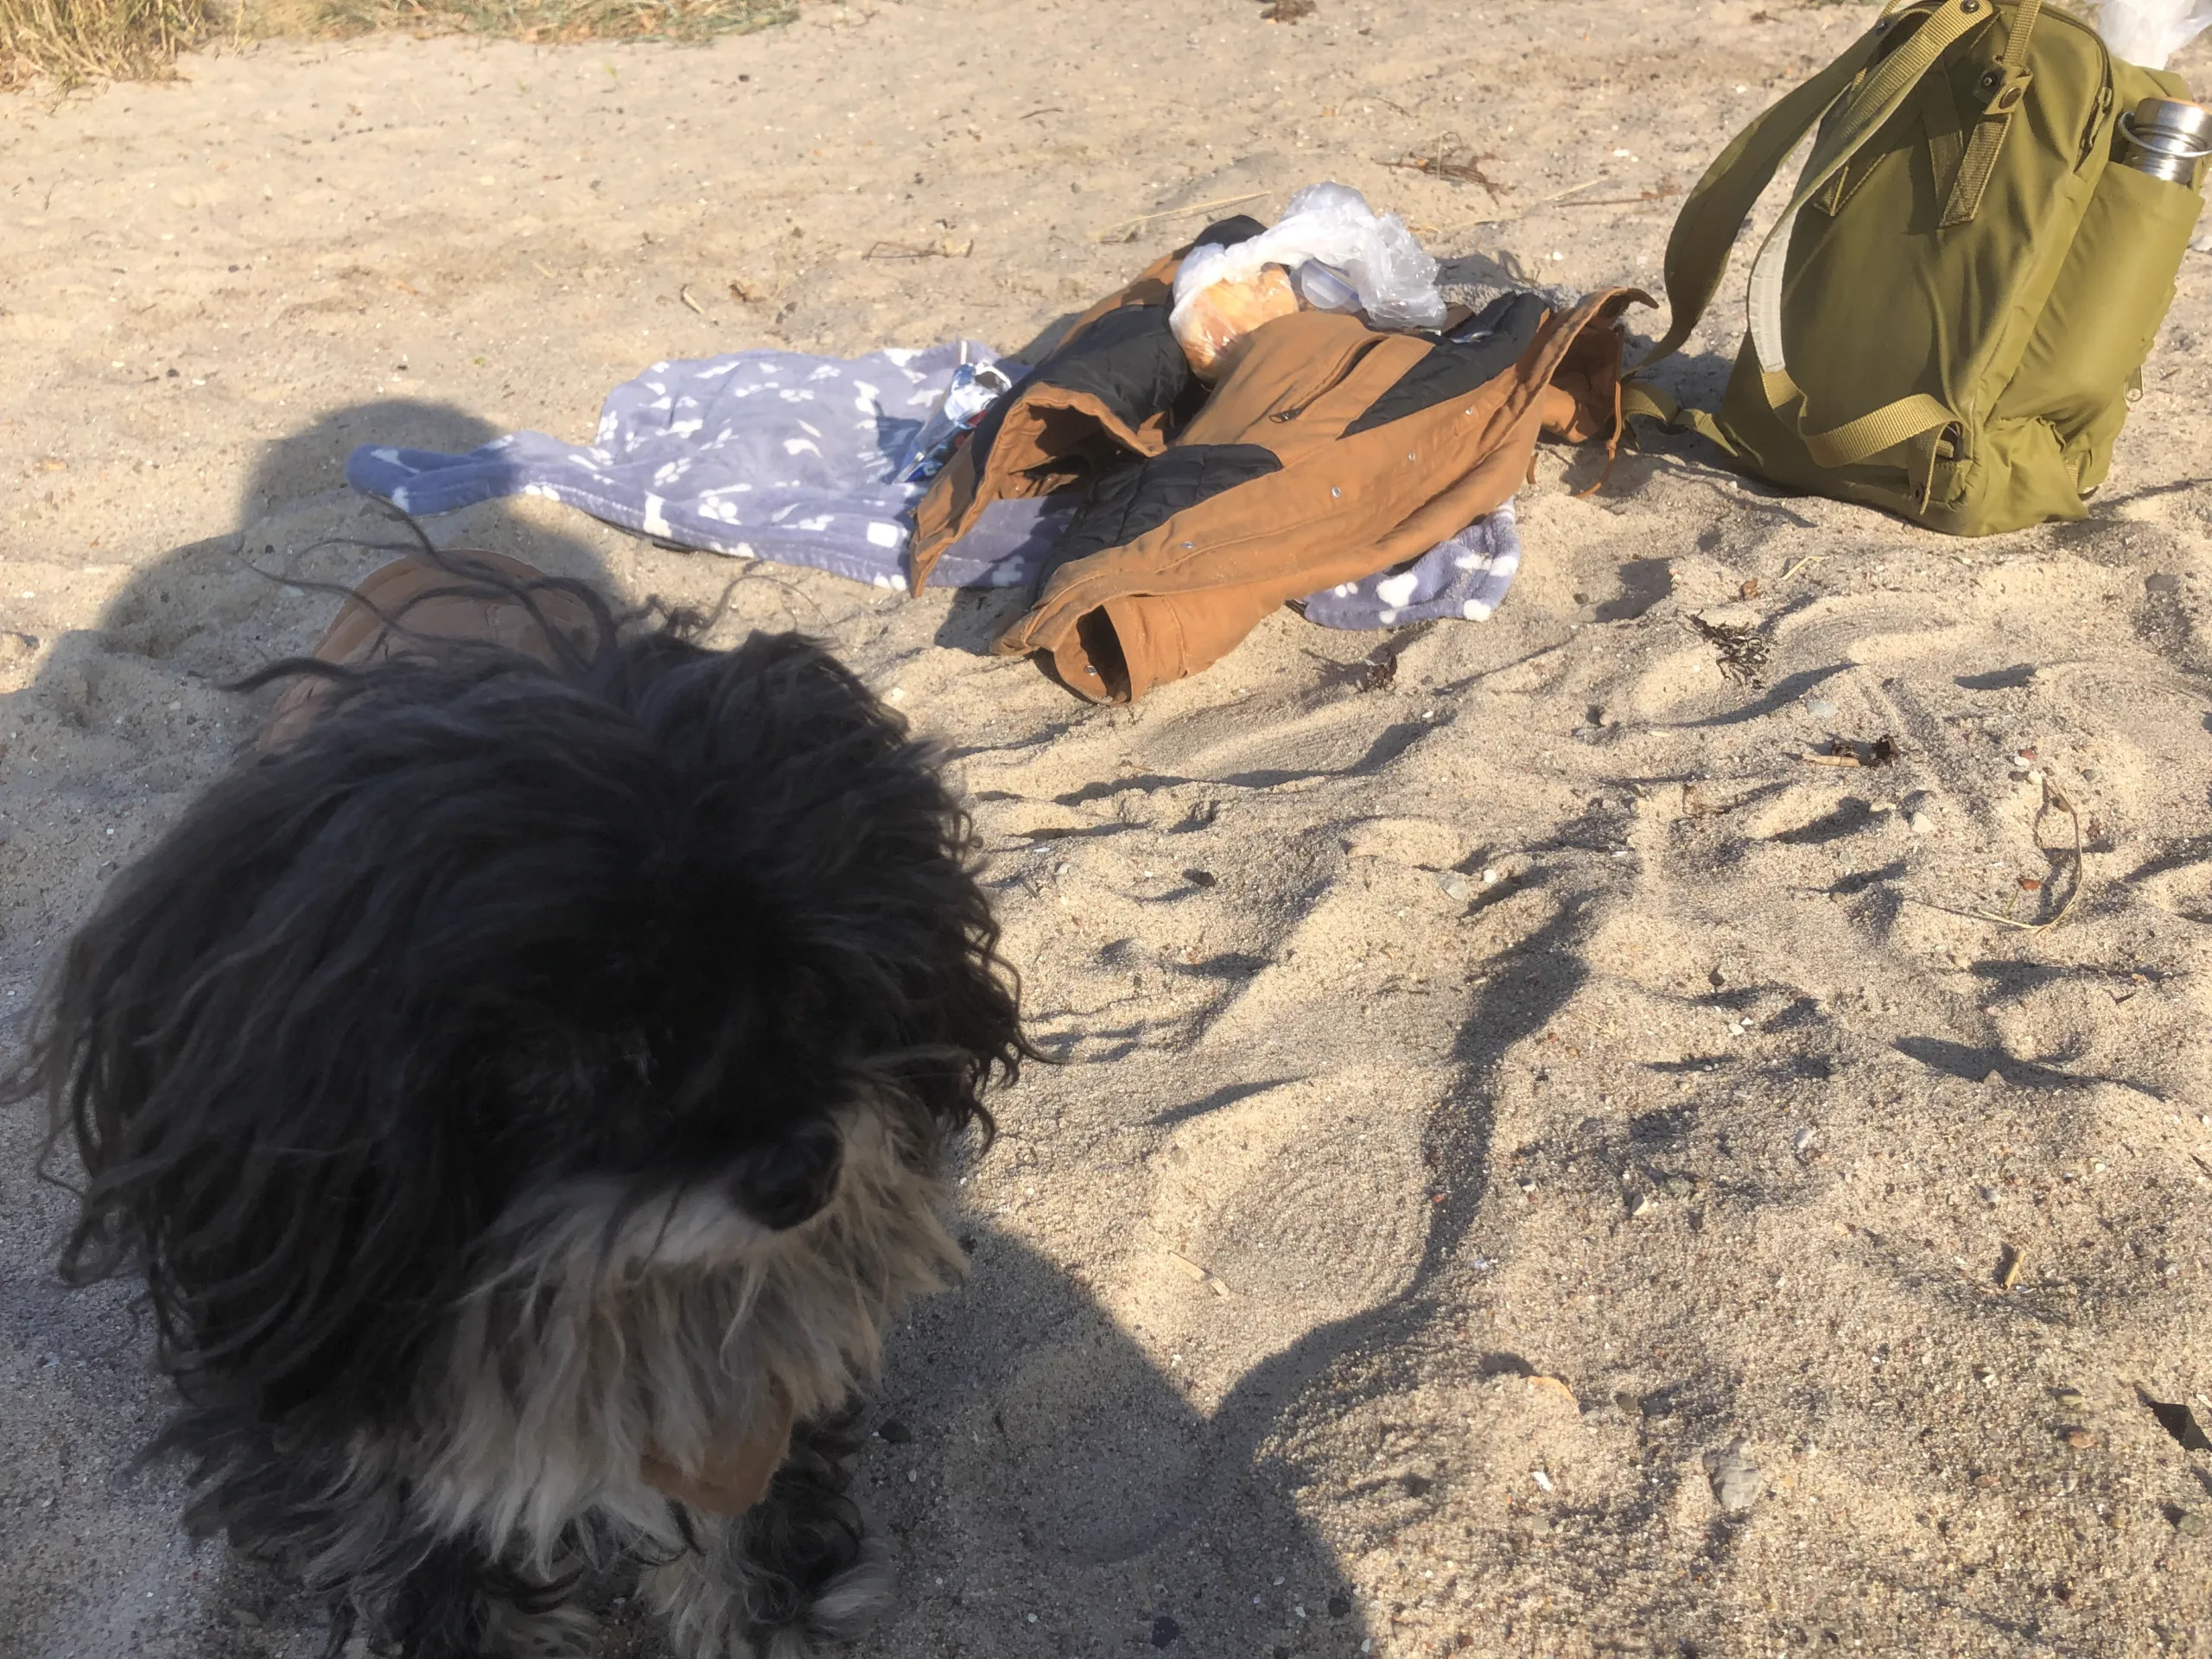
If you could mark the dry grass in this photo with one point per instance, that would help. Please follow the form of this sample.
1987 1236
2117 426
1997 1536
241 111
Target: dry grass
67 42
71 41
558 21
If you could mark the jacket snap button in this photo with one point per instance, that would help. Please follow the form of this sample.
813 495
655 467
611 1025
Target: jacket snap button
1187 545
1333 490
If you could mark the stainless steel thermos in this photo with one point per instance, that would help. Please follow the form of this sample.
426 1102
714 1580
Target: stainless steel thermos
2166 138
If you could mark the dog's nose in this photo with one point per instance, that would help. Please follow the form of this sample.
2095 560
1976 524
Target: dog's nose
781 1185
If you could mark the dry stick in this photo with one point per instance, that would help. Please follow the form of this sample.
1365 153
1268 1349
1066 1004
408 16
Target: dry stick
2051 796
1135 225
1508 219
1794 569
1626 201
684 292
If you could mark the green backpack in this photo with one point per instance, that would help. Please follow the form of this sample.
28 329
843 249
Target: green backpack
1951 318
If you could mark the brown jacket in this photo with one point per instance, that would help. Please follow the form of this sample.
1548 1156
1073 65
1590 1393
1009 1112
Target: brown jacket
1329 453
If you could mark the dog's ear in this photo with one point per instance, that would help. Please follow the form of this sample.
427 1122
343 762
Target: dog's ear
849 826
230 1046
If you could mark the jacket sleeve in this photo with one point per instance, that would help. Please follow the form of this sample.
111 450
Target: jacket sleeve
1115 385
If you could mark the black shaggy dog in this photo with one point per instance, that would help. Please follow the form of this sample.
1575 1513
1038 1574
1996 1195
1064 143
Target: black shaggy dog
523 1087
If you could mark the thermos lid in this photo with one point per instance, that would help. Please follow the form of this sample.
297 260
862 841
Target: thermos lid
2190 122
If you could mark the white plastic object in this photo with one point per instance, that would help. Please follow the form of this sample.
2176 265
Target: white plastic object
2149 32
1342 257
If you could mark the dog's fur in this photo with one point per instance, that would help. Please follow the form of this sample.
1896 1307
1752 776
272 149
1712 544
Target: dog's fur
523 1067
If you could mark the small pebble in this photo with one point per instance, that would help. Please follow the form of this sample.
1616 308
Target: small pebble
1639 1203
1819 708
2191 1523
2071 1398
1455 885
1543 1481
1989 1195
895 1431
1164 1630
1919 823
2077 1438
1805 1138
1339 1607
1737 1479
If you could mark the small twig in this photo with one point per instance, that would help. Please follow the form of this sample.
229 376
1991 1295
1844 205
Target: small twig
1572 190
684 292
1050 109
1790 570
906 251
1462 169
1132 225
1660 195
2052 796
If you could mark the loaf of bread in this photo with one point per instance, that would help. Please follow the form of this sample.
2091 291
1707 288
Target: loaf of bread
1220 315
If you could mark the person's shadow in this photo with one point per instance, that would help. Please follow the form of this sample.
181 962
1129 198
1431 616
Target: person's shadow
108 732
1050 1490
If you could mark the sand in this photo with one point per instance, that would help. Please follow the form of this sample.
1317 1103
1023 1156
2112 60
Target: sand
1500 1109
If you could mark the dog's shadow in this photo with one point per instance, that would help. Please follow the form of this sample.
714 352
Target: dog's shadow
1049 1489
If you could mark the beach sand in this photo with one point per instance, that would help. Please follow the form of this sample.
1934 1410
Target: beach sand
1500 1109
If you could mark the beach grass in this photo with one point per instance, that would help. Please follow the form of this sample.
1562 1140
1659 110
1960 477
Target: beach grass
67 43
557 21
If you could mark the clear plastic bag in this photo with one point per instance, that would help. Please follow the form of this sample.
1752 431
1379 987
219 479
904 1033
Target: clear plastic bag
2149 32
1339 254
974 388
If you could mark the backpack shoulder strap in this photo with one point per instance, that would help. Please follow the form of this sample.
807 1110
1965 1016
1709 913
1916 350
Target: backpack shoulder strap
1862 98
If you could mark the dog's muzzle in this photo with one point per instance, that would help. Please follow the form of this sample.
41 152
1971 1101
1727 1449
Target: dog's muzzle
782 1185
